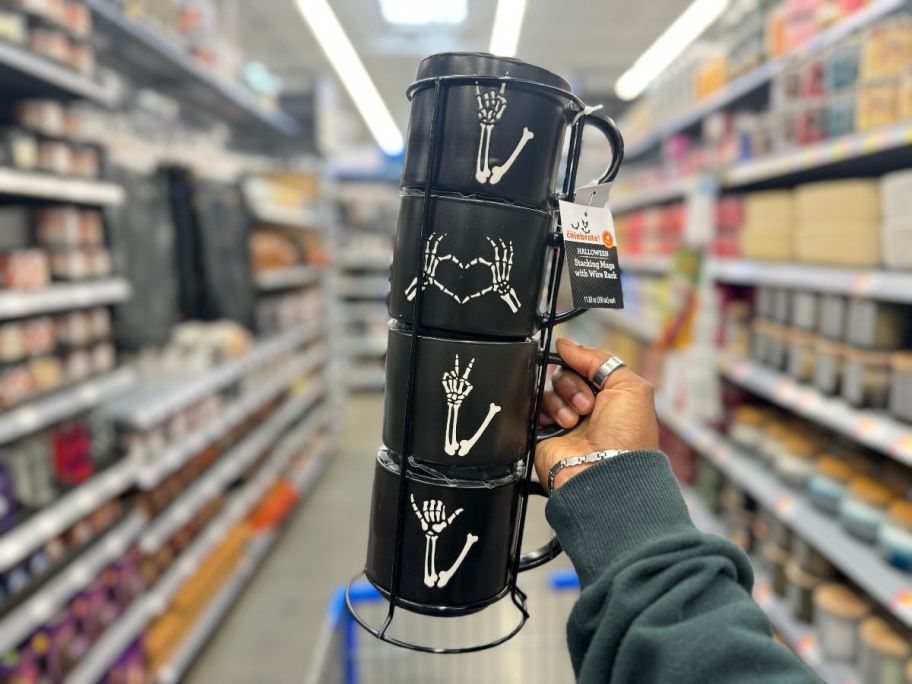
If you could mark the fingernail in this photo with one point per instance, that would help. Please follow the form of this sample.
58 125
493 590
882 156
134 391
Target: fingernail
565 417
581 402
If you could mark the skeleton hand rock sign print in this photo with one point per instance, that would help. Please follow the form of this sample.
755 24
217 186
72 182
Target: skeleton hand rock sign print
433 518
456 388
491 106
501 268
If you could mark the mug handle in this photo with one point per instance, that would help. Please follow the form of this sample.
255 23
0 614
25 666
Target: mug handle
545 553
606 125
557 430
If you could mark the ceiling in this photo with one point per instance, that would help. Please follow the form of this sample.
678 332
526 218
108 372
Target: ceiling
589 42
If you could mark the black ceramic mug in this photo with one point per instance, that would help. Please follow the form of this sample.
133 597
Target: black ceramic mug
484 265
500 138
457 539
473 401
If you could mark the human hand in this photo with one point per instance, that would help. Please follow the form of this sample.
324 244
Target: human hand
621 416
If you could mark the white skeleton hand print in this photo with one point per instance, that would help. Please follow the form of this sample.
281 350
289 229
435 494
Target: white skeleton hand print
501 268
457 387
491 106
433 518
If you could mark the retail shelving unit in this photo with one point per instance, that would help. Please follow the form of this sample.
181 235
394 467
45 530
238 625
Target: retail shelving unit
364 286
63 297
150 58
295 276
44 186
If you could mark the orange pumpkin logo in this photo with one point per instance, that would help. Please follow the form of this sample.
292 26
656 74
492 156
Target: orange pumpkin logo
607 239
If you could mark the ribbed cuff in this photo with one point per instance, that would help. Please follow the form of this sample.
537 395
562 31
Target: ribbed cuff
615 507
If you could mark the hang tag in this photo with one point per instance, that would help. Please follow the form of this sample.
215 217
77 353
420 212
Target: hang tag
591 253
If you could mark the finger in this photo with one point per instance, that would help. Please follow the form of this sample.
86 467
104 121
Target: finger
586 361
570 387
558 410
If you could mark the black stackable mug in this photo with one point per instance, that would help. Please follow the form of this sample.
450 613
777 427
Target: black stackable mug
484 266
473 401
457 539
501 139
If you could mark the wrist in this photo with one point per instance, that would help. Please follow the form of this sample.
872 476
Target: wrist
566 468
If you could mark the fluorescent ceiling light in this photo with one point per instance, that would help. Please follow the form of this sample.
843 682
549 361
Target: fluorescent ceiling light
508 21
350 69
668 47
423 12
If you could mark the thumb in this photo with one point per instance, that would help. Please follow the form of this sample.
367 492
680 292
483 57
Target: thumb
586 361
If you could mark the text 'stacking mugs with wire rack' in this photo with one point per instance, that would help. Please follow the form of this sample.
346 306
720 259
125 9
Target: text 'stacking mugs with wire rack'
458 536
503 138
484 266
473 404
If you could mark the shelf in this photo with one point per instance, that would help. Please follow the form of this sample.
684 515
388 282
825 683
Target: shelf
17 542
760 76
365 346
873 429
157 400
855 148
630 323
127 628
366 260
799 636
226 470
659 193
296 276
364 287
151 59
63 297
176 455
857 560
894 286
38 76
15 183
18 624
63 404
212 615
652 264
288 217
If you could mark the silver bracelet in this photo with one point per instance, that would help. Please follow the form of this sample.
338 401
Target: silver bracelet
594 457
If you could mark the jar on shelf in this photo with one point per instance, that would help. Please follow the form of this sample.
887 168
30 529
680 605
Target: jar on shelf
709 484
800 591
895 536
838 611
811 560
864 509
829 357
795 461
747 425
781 305
832 316
778 345
866 378
883 652
829 483
873 324
776 559
801 355
760 341
804 310
772 440
765 302
901 385
737 328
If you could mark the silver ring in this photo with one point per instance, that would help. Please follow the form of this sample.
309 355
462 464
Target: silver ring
606 369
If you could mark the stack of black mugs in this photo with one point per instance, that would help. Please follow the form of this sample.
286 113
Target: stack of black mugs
476 228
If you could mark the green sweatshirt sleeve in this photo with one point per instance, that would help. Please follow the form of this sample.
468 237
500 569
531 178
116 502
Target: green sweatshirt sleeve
660 601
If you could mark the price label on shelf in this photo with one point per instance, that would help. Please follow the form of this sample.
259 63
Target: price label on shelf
806 646
784 505
808 400
902 448
28 418
783 390
865 427
763 593
901 605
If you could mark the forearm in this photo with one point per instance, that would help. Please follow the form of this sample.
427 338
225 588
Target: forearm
660 601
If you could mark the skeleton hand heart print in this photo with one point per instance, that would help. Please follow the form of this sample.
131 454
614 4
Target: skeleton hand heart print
500 268
433 518
492 103
457 388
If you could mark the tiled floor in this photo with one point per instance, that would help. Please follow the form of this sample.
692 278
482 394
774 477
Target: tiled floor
270 635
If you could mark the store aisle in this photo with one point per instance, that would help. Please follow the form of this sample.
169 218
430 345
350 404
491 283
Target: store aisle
269 636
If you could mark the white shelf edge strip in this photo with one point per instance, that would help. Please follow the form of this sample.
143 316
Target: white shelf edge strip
46 186
50 598
872 428
211 617
16 543
63 404
150 474
894 286
288 277
763 73
61 297
800 637
228 468
857 560
224 375
820 154
124 631
59 76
